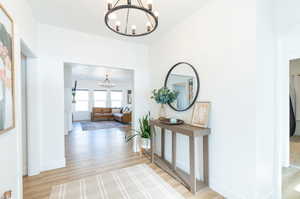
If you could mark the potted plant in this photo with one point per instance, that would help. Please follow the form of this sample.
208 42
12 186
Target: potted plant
164 96
144 132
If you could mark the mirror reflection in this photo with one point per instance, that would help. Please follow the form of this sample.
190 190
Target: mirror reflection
183 79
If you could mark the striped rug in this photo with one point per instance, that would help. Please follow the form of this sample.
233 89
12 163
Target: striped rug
137 182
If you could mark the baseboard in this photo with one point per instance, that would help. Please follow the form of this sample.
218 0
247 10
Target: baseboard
54 164
33 172
225 191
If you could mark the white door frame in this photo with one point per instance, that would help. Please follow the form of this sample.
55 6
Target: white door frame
33 133
285 53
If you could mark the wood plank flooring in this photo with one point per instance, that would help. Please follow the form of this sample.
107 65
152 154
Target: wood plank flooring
90 153
295 151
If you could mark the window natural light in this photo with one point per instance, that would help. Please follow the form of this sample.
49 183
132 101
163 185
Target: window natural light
100 99
116 99
82 100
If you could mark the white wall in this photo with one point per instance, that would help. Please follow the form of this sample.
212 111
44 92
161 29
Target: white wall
11 142
91 85
265 99
220 40
75 47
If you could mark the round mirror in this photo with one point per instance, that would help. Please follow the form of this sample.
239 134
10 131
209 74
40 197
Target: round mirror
183 78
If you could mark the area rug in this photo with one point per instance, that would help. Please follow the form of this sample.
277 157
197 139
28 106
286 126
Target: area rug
137 182
90 126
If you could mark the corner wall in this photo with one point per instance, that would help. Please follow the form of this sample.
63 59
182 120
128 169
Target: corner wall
11 142
220 41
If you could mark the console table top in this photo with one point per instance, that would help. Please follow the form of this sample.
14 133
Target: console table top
185 129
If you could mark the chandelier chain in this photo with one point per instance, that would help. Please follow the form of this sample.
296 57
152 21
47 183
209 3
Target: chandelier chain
141 4
116 4
127 18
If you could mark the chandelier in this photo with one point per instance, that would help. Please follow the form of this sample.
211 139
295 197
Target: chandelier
106 83
132 18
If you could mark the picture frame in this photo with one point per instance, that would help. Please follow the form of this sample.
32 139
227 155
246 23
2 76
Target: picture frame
7 72
201 113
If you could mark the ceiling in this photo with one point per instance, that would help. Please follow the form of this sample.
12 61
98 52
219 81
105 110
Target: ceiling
88 15
87 72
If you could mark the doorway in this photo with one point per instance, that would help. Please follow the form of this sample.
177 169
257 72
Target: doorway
24 113
295 113
291 174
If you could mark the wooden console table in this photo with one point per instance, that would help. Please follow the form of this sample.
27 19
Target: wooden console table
189 180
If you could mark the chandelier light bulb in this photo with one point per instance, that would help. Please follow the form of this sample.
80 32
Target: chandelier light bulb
148 24
133 28
118 24
156 14
150 4
109 4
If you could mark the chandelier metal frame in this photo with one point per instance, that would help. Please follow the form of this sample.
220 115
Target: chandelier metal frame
129 6
106 83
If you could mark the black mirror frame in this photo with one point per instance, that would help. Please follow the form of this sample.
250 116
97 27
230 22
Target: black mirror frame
198 87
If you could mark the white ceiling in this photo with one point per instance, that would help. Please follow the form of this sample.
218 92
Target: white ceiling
87 72
88 15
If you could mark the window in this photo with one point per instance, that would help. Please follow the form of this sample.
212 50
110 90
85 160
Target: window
100 99
82 100
116 99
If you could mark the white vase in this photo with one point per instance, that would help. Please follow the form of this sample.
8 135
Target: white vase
145 143
162 111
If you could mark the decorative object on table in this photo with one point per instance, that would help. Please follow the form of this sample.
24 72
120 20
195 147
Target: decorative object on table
124 17
7 101
164 96
74 92
129 97
171 121
201 114
144 132
106 83
183 79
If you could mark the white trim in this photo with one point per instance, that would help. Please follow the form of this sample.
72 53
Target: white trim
54 164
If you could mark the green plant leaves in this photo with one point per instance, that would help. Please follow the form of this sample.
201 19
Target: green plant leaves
144 129
164 95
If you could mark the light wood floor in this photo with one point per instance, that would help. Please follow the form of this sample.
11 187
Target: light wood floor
295 150
90 153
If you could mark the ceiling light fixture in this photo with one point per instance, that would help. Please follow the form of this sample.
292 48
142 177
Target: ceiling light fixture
126 11
106 83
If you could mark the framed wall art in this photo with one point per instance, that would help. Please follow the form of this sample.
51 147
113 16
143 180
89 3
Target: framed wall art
201 114
7 115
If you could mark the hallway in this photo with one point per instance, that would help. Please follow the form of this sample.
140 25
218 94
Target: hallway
89 153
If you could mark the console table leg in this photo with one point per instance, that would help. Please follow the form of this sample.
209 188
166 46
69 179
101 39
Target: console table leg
163 143
205 160
174 150
192 165
152 143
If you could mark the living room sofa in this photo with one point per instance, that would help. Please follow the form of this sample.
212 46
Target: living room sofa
108 114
